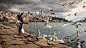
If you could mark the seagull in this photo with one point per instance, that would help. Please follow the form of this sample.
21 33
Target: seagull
78 33
17 21
69 41
46 25
29 39
15 36
79 45
84 7
22 30
82 42
49 10
34 35
68 14
77 26
71 3
51 38
65 24
37 38
4 40
49 43
85 31
60 41
35 27
75 14
63 4
53 13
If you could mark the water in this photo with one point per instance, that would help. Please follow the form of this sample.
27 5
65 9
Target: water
58 29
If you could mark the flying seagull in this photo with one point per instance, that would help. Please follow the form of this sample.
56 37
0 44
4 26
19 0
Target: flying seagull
84 7
68 14
53 13
71 3
49 10
75 14
63 4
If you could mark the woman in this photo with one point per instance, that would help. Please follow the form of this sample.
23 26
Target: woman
20 18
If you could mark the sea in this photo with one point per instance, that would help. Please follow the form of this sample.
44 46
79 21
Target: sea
60 31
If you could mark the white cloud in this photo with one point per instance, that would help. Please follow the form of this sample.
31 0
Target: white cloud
14 9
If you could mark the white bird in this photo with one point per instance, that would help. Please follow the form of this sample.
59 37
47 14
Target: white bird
60 41
35 27
4 40
45 35
22 30
49 35
29 39
69 41
49 43
46 25
79 45
51 38
15 36
17 21
34 35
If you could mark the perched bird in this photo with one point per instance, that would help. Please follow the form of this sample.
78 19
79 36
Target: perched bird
49 43
15 36
29 39
84 7
60 41
54 36
37 38
34 35
3 41
51 38
49 10
63 4
71 3
53 13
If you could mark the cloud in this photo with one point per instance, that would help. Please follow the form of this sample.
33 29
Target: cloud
35 5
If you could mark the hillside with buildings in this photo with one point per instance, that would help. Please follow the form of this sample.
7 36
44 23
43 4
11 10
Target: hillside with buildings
33 17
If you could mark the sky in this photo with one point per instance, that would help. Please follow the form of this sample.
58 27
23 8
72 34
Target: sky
36 5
